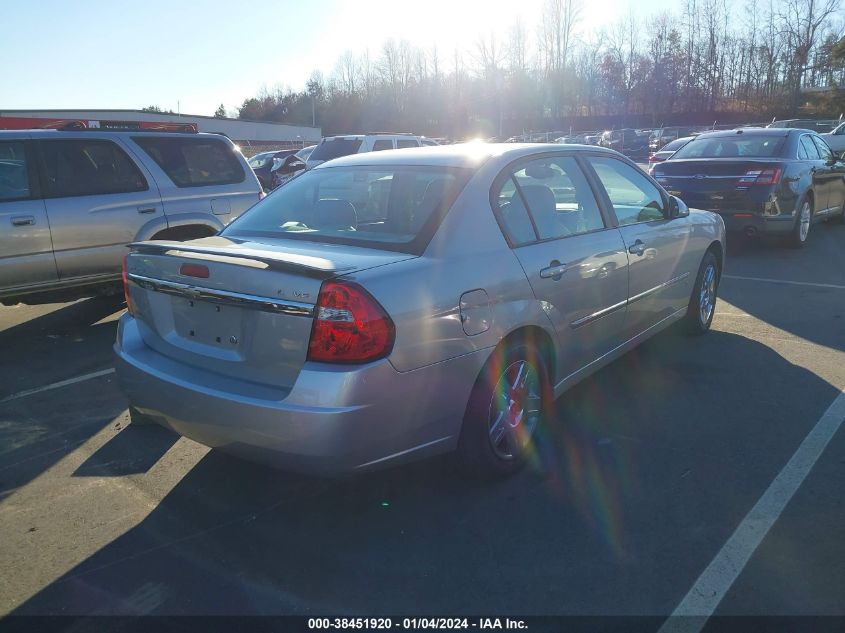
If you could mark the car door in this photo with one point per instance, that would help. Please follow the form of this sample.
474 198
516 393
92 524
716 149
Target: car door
573 257
26 251
834 176
97 200
820 172
661 270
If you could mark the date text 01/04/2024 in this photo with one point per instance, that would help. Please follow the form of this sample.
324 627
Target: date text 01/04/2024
412 624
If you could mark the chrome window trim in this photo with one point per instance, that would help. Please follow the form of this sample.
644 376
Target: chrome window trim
252 302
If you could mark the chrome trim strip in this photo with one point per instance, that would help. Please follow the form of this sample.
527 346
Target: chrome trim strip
597 315
672 281
252 302
405 452
605 311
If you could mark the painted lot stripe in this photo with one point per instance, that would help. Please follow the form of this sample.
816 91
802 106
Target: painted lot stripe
57 385
691 614
784 281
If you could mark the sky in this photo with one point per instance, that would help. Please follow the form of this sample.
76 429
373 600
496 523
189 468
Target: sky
193 56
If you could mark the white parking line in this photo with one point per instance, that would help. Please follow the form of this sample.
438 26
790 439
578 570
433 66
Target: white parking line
701 601
57 385
784 281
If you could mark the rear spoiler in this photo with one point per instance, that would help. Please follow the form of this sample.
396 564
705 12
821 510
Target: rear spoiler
277 260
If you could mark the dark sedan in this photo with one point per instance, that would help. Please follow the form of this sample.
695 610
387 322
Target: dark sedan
760 180
262 164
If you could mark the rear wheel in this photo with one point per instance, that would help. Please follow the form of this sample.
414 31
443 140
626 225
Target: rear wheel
702 304
803 222
506 407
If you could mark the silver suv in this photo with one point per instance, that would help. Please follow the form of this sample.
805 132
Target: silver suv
70 201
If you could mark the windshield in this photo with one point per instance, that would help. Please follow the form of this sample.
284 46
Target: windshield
674 145
305 152
736 146
335 148
395 208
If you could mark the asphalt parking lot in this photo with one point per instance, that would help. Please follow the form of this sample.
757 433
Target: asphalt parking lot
656 460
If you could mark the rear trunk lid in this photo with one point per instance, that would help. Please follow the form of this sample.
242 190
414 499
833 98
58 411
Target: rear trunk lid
712 184
240 309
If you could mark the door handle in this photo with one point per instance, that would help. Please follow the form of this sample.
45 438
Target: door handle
554 271
23 220
146 209
637 248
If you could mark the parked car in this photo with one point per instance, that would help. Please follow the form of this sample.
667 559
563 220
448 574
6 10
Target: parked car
817 125
660 137
305 152
835 139
71 200
627 141
667 150
336 146
286 169
264 163
389 306
760 180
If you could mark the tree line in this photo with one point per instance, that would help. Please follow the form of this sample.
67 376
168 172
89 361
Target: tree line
762 59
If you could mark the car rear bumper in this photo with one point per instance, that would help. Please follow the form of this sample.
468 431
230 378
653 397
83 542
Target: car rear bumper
334 420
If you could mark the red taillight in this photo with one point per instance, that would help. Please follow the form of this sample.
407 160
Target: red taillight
349 326
194 270
767 176
129 307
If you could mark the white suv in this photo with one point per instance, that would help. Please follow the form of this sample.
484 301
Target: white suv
344 145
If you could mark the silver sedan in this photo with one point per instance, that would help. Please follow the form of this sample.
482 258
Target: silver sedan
389 306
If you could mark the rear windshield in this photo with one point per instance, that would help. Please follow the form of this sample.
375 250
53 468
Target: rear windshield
335 148
393 207
673 145
756 146
194 162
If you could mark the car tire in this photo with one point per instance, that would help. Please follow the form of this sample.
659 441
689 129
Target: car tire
803 223
139 419
702 303
509 402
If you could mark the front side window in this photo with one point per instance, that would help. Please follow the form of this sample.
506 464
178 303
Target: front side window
14 172
633 196
403 143
194 162
83 167
396 208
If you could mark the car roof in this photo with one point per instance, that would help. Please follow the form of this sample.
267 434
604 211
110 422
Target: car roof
472 154
37 133
752 131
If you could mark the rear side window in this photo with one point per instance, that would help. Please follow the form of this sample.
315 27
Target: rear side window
194 162
403 143
633 196
807 150
394 207
335 148
559 200
14 172
89 167
382 144
825 152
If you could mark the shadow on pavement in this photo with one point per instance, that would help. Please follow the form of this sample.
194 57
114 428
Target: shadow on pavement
132 451
652 463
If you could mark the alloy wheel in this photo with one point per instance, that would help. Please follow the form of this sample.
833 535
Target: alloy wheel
514 409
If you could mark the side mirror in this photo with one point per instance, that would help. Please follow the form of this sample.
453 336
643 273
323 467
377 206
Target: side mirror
677 208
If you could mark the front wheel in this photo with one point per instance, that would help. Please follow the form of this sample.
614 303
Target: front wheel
507 405
702 303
